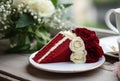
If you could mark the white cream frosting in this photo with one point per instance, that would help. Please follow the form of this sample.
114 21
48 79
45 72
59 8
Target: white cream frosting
68 34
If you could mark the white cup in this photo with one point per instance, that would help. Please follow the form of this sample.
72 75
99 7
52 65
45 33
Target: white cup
117 18
118 41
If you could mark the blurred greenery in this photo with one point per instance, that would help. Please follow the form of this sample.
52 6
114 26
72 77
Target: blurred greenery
105 1
102 26
103 6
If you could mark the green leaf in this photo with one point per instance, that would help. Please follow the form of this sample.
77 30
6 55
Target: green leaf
54 2
67 5
27 40
43 34
39 44
30 30
24 20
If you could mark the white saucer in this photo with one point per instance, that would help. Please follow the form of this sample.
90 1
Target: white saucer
108 43
66 67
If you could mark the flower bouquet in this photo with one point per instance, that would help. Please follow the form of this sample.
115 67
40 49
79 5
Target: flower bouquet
27 23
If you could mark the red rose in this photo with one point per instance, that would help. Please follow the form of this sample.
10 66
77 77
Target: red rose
94 51
86 35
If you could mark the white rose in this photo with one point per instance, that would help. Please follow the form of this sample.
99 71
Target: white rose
77 44
43 8
78 57
19 2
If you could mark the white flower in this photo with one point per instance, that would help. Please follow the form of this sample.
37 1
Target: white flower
43 8
77 44
16 3
79 57
68 34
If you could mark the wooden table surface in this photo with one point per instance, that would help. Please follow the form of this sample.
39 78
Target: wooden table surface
16 67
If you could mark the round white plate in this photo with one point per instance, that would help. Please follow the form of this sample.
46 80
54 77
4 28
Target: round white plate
108 43
66 67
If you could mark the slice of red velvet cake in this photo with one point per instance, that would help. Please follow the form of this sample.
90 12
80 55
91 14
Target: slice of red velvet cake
80 45
57 50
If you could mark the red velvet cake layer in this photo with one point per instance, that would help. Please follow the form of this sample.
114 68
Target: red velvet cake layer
47 47
60 54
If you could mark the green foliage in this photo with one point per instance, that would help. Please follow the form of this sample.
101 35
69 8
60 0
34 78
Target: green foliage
24 20
3 0
105 1
29 39
55 2
67 5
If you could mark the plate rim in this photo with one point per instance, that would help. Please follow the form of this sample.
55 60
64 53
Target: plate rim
107 53
34 64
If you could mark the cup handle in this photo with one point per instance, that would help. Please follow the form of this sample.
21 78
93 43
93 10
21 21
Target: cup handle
108 22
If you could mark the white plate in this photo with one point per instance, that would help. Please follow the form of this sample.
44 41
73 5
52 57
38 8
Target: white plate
108 43
66 67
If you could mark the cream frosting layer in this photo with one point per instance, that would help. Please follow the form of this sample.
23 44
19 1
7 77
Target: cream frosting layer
68 34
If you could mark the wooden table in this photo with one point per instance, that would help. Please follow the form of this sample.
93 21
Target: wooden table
16 67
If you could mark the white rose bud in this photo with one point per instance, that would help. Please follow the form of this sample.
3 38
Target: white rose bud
43 8
79 57
77 44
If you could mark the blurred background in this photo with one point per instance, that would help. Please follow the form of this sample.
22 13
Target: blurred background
90 13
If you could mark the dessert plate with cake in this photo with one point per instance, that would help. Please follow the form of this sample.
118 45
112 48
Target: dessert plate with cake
72 51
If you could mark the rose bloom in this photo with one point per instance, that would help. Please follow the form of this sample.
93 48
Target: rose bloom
86 35
77 44
94 50
44 8
18 2
78 57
